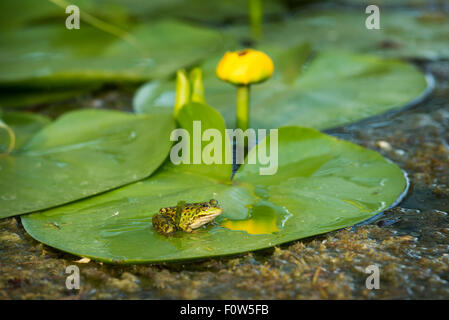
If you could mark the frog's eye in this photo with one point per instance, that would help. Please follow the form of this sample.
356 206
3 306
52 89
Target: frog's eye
213 202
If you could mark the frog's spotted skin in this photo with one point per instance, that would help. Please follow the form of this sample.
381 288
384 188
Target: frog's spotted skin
192 216
163 224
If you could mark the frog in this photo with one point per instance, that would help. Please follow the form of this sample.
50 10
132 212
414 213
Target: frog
185 217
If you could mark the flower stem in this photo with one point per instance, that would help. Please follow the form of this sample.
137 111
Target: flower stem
12 138
243 107
255 17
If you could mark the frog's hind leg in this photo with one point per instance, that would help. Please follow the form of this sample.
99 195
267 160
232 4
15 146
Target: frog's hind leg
163 225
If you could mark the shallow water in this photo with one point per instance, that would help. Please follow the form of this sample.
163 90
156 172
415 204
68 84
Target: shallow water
264 218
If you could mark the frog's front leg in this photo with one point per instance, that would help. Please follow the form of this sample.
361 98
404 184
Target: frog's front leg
186 227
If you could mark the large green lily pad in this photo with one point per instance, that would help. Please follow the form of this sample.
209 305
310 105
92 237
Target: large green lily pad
415 4
403 33
322 184
76 58
81 154
332 89
122 12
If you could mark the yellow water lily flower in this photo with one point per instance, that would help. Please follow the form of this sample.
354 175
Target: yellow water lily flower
252 226
245 67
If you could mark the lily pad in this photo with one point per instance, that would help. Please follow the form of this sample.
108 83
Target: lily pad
122 12
330 90
424 4
402 33
89 56
322 184
24 125
81 154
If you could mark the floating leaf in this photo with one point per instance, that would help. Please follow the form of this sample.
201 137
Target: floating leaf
9 141
122 12
17 13
25 125
155 97
403 33
81 154
88 55
333 89
322 184
387 3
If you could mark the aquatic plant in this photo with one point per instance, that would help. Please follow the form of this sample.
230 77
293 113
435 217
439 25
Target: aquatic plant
244 68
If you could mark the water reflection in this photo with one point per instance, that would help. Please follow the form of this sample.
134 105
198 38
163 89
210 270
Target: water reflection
265 218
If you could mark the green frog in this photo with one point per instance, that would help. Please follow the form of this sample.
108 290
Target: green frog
185 216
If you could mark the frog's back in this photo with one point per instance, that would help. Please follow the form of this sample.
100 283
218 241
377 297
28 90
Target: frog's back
168 212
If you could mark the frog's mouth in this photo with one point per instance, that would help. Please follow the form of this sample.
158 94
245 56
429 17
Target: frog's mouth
201 220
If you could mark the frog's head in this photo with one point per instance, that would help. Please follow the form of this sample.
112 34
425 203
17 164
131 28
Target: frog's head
200 214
